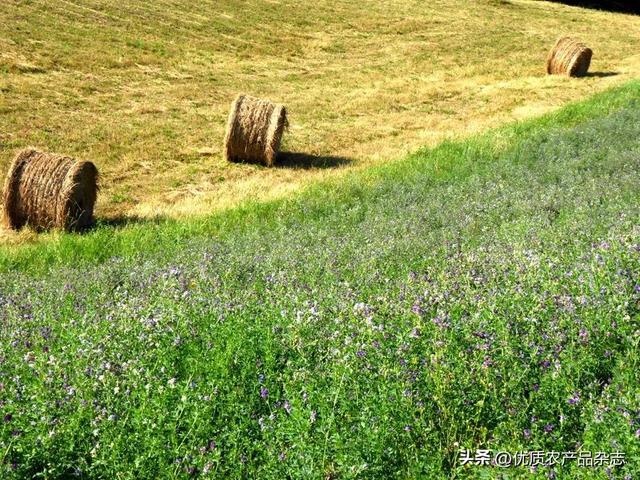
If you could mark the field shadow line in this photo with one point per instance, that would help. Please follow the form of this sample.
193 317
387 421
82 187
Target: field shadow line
308 161
602 74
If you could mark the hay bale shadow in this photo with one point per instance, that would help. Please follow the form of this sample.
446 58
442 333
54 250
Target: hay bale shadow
308 161
602 74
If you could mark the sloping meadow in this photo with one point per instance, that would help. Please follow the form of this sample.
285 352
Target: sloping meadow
494 308
363 83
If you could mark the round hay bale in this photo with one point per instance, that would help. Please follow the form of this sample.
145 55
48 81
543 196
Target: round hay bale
45 190
254 130
569 57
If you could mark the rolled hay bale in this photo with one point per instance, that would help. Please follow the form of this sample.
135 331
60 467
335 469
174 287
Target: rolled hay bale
254 130
45 190
569 57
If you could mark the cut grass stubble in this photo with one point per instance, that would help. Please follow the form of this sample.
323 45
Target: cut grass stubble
368 82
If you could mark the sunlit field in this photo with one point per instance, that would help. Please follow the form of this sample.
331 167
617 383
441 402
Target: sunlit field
143 88
444 261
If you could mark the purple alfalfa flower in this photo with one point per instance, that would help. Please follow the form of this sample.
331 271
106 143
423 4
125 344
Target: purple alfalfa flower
7 418
407 428
45 332
361 353
416 309
264 392
526 433
481 334
638 433
362 309
415 333
287 407
583 335
441 321
150 322
172 272
548 428
545 364
313 416
574 399
607 353
536 387
282 457
191 470
207 467
487 362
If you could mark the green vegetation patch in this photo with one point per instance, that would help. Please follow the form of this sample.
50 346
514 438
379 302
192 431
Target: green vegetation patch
484 294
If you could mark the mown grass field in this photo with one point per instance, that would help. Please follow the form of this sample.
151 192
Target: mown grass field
143 88
482 294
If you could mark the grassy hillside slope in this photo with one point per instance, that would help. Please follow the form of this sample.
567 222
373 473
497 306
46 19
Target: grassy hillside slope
484 294
143 88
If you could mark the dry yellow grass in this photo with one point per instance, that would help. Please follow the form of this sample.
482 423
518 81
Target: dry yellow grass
143 88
